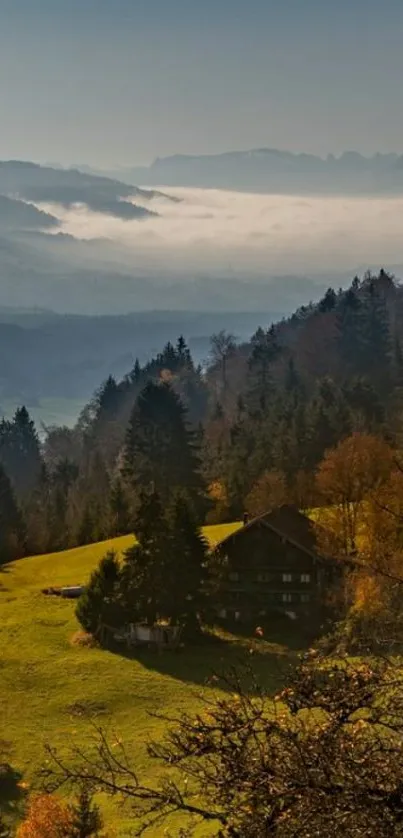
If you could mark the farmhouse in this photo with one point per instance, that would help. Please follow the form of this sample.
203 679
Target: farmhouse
272 563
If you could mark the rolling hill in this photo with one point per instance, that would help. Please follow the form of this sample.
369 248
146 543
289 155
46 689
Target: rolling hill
52 690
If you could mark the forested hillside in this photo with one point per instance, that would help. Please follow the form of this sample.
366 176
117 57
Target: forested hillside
246 432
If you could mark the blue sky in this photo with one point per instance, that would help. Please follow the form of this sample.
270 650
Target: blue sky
116 82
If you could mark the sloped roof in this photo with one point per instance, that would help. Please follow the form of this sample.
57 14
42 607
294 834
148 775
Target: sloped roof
287 522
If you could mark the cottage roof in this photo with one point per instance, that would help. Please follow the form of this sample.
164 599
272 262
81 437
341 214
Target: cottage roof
287 522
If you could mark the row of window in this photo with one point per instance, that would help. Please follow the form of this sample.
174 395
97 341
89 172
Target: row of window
273 598
305 578
286 599
295 597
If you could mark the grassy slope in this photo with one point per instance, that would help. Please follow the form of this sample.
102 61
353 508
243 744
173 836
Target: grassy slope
44 678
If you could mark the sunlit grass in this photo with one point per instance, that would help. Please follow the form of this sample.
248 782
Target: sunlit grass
54 691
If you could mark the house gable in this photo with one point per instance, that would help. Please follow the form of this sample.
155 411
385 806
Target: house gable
272 563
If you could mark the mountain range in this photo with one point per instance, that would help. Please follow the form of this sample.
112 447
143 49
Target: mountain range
274 171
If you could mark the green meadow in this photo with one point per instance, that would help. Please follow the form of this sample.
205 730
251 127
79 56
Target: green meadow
55 691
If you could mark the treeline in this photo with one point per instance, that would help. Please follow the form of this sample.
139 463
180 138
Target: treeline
246 432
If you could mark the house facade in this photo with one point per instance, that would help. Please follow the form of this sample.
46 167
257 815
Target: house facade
272 564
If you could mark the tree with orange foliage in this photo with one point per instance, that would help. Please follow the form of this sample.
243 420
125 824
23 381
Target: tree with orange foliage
362 480
47 817
347 477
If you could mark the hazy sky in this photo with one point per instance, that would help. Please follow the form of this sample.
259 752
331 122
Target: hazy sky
115 82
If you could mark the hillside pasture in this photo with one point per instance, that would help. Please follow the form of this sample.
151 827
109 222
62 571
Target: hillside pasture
53 690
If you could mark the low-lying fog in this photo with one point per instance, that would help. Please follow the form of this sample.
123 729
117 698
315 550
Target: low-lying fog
263 235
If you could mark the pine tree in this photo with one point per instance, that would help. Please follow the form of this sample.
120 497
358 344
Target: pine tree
265 351
61 483
12 529
99 604
108 399
328 420
85 815
164 575
120 512
186 577
183 353
368 412
161 453
328 302
144 583
87 530
20 452
378 342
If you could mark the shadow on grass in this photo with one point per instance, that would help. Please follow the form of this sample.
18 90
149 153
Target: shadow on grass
267 660
12 792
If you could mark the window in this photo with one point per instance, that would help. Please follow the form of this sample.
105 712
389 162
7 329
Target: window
287 597
305 577
233 576
305 597
264 577
287 577
223 613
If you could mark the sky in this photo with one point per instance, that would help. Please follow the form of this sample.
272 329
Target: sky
120 82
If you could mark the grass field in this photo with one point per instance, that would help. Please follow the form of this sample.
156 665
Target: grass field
52 690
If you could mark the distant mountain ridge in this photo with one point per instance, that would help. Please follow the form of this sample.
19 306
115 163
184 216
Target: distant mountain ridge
26 181
274 171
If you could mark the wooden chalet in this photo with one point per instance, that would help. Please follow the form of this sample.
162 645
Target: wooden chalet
272 563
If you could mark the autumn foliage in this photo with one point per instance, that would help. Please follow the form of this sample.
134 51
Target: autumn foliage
47 817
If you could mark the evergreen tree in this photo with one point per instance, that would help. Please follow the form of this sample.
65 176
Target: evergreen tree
85 815
20 452
328 302
108 399
144 587
161 453
136 371
187 576
351 330
328 420
61 483
378 342
88 526
12 529
163 576
368 412
120 513
265 351
183 353
98 606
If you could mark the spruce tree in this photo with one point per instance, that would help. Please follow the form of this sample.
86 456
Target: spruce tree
120 513
328 420
143 580
187 575
265 351
378 341
108 399
351 338
161 453
12 529
98 606
20 452
85 815
328 302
